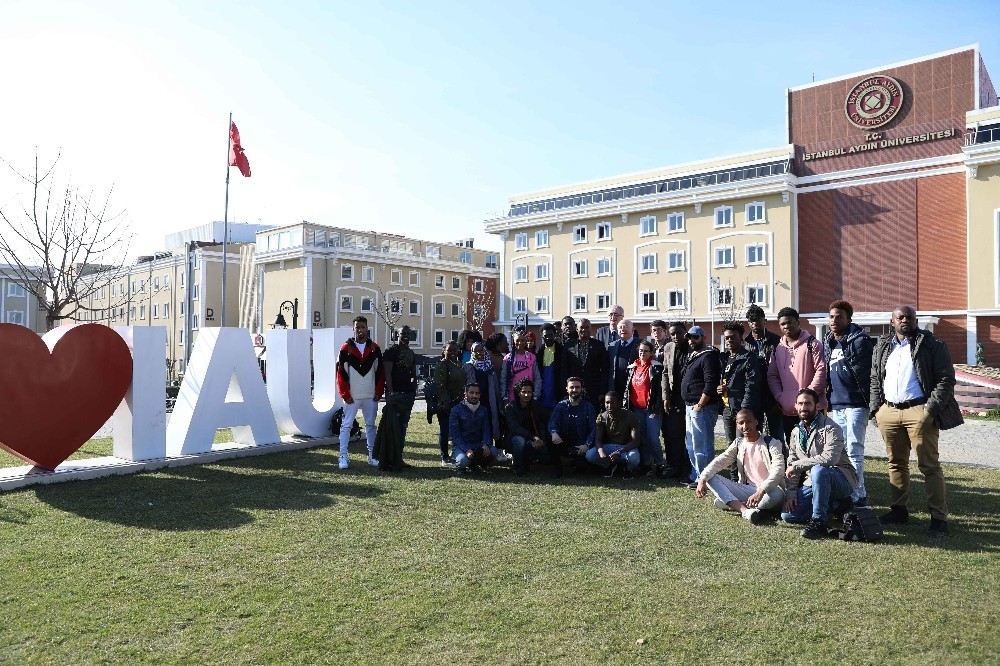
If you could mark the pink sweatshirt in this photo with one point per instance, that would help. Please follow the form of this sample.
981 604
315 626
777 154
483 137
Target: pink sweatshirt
793 367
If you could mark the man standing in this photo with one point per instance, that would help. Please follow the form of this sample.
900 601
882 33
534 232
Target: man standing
554 367
616 436
740 373
819 473
608 334
571 426
471 436
449 378
401 378
798 362
849 368
675 354
592 362
622 352
360 381
699 384
912 400
763 343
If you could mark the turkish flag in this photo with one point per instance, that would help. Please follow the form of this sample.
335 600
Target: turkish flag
237 157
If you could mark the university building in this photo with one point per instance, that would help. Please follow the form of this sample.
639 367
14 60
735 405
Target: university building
17 304
887 193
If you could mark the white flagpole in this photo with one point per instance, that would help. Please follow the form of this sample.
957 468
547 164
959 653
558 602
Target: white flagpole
225 219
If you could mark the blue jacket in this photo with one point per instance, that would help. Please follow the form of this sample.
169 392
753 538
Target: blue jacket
575 425
469 430
858 350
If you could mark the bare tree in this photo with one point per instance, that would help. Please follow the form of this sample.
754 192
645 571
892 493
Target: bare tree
479 310
62 247
389 310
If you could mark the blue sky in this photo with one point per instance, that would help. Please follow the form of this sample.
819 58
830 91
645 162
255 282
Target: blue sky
419 118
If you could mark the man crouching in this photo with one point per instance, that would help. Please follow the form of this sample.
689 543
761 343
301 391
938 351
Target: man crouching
818 471
471 436
616 437
761 472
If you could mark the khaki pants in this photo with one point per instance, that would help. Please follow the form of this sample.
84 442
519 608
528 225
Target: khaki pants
901 429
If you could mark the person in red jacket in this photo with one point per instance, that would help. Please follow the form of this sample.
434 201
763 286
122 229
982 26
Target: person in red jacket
360 382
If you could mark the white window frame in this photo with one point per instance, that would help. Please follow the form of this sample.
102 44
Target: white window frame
478 287
520 305
752 206
649 220
732 257
645 296
607 272
368 271
521 273
156 310
371 304
166 311
762 248
439 281
579 268
14 290
439 336
761 288
643 267
673 218
349 300
541 238
603 232
723 210
542 272
520 242
396 276
682 300
15 316
456 282
579 234
603 302
579 302
683 260
415 274
456 309
438 308
194 292
411 308
541 304
722 290
349 268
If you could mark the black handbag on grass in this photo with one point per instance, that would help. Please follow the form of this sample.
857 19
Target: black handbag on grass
861 524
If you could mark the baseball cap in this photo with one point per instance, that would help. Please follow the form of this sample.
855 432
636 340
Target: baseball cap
695 332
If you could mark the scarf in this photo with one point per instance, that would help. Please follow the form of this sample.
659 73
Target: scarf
472 408
484 365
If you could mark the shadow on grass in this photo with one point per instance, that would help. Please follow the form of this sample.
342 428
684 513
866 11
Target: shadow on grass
196 497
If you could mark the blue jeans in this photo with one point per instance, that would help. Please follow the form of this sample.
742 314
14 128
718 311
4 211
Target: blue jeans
524 453
854 421
649 436
700 437
631 458
462 458
828 485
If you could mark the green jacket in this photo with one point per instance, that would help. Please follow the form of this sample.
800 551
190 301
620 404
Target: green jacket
450 380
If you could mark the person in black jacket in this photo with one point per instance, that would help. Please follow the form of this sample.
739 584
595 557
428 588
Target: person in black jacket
763 342
699 384
621 353
527 428
644 398
592 362
738 387
555 366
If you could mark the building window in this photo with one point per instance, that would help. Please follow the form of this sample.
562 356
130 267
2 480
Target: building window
142 311
15 290
756 293
478 287
414 278
396 276
438 336
195 321
675 299
579 303
604 301
647 263
542 238
156 311
580 233
580 268
604 266
724 257
180 337
755 213
647 300
456 282
432 252
156 285
465 257
723 216
194 292
414 307
756 254
675 261
542 304
367 273
541 272
675 223
492 261
724 296
346 303
439 282
395 306
603 231
647 225
521 241
15 317
366 304
520 306
438 309
347 272
181 308
520 274
456 310
166 311
121 290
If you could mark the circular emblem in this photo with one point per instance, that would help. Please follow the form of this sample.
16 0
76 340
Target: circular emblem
873 101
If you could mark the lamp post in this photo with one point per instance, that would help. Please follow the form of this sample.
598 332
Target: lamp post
293 307
713 284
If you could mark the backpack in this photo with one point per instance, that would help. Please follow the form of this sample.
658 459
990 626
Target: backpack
861 524
338 420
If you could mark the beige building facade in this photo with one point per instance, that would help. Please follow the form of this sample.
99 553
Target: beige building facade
17 304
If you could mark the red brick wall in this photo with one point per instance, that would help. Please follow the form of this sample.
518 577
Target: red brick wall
952 331
942 243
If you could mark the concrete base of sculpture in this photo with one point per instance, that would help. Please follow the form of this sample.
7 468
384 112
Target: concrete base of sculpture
12 478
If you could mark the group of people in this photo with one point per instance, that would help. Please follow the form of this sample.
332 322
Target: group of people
794 408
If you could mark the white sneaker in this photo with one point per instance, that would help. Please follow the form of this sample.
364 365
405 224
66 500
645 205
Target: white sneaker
372 460
343 462
719 504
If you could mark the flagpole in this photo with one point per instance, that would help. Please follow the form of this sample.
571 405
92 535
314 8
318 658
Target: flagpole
225 218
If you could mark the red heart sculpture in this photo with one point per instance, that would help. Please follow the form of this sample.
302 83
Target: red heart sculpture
51 403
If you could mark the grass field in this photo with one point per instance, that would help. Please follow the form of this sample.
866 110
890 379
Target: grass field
284 559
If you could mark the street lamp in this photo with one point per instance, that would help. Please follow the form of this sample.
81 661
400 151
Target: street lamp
293 307
713 284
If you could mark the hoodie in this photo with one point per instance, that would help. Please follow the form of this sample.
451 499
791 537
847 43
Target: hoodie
796 366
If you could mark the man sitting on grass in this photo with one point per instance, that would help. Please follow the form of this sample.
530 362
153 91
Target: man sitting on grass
819 471
527 428
571 425
760 467
471 436
616 437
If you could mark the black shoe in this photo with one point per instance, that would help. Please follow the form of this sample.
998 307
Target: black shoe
615 471
816 529
430 417
897 515
938 528
520 471
661 472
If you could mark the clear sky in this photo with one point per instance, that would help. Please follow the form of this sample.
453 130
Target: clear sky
419 118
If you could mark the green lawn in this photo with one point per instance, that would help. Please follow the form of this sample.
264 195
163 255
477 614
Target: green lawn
284 559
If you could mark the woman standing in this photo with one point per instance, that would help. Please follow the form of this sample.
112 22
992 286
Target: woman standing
450 380
645 399
465 341
517 365
479 370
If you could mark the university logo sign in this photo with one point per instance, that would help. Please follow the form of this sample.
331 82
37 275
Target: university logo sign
874 101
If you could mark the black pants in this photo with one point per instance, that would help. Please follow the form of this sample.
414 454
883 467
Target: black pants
674 431
774 424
